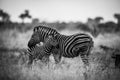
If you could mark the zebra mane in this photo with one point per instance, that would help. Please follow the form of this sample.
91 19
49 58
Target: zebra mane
45 26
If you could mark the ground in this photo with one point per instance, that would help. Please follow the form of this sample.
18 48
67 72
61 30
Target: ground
13 63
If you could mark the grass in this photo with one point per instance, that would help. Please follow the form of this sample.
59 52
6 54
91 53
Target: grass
13 63
101 68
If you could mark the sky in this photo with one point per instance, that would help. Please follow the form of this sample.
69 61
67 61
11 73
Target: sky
62 10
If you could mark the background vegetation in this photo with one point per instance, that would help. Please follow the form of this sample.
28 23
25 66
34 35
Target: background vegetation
13 42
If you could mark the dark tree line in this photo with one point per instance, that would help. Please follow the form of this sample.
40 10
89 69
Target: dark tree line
94 26
5 17
25 15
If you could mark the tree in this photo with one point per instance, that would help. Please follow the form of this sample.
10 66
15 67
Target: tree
98 19
5 17
93 25
25 15
117 16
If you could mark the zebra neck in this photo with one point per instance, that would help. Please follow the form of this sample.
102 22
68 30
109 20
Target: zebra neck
41 38
60 38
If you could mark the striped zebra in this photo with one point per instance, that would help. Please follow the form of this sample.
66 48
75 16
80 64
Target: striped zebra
43 52
73 46
40 33
68 46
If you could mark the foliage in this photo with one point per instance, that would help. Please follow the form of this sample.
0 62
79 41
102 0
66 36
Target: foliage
5 16
25 15
13 64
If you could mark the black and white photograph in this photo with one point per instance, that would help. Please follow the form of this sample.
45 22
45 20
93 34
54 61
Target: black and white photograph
59 39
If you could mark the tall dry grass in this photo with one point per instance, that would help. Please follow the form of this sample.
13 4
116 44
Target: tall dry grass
14 67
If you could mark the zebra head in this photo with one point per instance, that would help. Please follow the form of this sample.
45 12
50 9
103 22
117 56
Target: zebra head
35 39
40 33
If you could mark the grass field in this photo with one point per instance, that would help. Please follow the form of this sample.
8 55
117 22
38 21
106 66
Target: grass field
13 66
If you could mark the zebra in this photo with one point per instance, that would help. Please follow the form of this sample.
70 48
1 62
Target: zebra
43 52
40 33
68 46
73 46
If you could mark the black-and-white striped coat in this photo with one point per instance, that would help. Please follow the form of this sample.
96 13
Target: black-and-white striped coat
43 51
73 46
40 33
69 46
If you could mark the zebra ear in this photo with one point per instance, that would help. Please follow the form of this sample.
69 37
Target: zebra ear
36 28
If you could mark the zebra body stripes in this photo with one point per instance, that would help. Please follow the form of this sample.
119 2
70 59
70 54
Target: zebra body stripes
68 46
40 33
73 46
43 51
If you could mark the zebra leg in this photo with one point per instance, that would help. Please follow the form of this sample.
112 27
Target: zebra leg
57 56
45 59
30 60
85 55
85 59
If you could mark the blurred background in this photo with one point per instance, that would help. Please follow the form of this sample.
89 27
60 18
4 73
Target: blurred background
98 18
